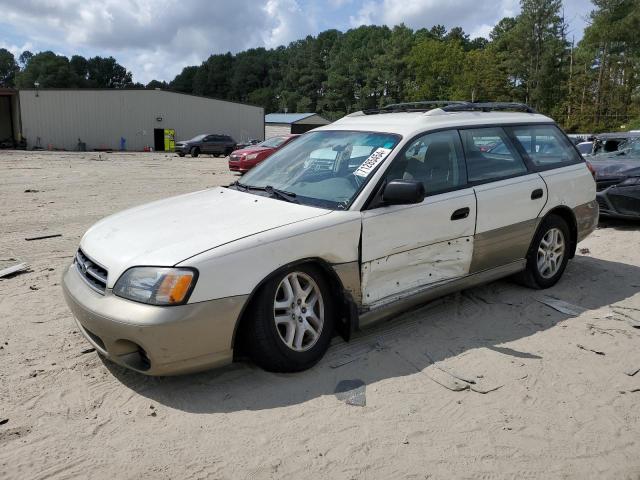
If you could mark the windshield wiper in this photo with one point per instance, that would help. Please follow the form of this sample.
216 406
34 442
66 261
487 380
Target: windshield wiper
287 196
272 192
239 186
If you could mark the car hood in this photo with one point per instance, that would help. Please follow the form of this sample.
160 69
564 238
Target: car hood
615 166
248 150
166 232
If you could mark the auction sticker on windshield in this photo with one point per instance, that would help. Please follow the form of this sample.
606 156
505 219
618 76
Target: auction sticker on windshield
370 163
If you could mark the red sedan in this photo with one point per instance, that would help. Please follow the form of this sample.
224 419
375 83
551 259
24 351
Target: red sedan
245 159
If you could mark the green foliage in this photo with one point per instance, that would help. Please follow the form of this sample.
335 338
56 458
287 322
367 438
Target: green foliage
590 87
8 68
57 71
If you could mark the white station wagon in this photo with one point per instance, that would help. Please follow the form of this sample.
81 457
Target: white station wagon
351 223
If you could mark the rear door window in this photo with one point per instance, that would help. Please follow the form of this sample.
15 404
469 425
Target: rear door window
490 155
545 145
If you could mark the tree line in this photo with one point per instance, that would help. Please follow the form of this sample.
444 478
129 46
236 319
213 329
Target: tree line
590 86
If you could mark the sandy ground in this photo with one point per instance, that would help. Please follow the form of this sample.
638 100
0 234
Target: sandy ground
557 408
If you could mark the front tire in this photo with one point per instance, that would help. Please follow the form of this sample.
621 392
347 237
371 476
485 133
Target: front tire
548 255
291 322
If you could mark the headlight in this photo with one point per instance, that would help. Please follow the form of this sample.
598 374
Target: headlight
252 156
629 181
156 285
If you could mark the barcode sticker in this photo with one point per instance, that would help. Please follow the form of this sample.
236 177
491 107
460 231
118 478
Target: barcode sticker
370 163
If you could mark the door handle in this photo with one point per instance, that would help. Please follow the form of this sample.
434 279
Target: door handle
536 194
460 213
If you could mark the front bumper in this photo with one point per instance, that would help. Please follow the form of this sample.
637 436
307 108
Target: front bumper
236 164
619 202
150 339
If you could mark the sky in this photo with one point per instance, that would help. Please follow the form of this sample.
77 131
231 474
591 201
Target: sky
155 39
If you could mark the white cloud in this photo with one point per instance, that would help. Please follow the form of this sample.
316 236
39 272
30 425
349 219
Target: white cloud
474 16
157 38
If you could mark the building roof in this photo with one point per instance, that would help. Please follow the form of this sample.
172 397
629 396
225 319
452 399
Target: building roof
286 117
410 123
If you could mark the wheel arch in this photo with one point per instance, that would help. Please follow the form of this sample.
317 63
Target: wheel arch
343 303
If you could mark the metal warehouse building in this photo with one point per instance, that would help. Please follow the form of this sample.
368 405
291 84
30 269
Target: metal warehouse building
285 123
111 118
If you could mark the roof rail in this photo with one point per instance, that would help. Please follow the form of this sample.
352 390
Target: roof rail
450 106
419 106
488 107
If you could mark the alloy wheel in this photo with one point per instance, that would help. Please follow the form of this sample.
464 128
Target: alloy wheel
298 311
551 251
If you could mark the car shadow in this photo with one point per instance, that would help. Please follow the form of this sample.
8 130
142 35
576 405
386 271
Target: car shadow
487 317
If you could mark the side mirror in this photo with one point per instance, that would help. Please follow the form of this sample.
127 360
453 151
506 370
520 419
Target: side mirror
403 192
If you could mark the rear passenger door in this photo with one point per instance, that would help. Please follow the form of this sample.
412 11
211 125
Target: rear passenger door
207 144
562 168
510 197
408 247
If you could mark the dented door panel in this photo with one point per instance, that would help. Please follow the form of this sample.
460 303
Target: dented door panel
409 270
408 247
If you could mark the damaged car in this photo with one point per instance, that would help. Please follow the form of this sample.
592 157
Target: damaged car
349 224
618 181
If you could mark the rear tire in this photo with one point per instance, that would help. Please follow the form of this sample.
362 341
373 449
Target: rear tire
195 152
290 323
548 255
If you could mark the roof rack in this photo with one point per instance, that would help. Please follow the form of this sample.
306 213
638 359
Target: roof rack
488 107
420 106
450 106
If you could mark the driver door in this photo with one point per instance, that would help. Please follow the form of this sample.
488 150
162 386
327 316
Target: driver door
406 248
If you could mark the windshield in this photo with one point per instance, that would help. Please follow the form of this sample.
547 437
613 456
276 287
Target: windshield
197 138
273 142
628 148
326 168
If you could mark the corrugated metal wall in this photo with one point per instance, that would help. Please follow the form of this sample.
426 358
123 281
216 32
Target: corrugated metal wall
275 129
100 117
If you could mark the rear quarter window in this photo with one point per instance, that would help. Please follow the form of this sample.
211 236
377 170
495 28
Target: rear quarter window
545 145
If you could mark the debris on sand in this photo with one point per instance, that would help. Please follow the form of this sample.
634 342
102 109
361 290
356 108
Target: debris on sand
485 388
631 371
351 392
3 421
562 306
42 237
13 270
597 352
446 380
31 190
585 251
88 350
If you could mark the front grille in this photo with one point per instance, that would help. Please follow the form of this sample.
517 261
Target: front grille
93 274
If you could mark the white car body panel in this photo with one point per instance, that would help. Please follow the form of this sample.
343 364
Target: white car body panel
507 202
169 231
237 268
404 247
570 186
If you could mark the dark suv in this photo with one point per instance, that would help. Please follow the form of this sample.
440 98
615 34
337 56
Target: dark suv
213 144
